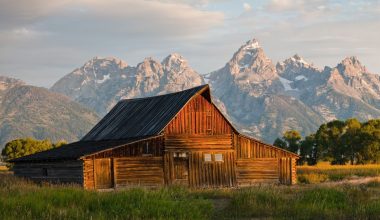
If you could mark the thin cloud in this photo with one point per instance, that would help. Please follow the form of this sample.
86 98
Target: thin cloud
247 7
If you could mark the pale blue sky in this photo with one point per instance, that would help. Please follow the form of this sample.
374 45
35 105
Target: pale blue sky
42 40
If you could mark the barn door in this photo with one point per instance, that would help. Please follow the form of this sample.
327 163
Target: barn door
181 168
103 173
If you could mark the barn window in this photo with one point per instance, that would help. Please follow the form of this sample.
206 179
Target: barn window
218 157
207 157
44 172
183 154
147 151
180 154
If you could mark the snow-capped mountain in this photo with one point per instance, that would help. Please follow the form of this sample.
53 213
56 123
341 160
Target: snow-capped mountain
257 98
102 82
261 98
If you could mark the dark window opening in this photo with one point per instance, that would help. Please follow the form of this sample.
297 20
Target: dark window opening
147 151
44 172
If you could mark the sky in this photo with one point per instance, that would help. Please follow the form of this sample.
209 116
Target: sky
43 40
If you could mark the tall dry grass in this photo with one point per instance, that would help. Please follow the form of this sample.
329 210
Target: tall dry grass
323 172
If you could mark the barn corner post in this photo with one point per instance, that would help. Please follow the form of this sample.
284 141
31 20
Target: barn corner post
294 170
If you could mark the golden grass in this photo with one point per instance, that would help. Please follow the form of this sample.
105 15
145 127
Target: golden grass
325 172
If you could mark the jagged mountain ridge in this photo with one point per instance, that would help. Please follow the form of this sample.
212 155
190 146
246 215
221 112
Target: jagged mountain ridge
102 82
29 111
261 98
269 99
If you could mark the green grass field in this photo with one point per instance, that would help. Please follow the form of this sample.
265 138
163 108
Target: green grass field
20 199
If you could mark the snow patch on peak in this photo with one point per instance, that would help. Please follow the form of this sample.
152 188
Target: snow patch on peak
301 77
251 45
105 78
286 83
296 58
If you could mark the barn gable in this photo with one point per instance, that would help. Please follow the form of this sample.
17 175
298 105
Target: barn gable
142 117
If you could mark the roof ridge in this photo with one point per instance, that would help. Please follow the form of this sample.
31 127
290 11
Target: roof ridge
167 94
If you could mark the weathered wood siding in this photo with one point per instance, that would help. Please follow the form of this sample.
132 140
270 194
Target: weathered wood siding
250 148
198 142
58 172
88 174
135 164
259 162
287 170
251 171
199 116
202 173
152 146
138 171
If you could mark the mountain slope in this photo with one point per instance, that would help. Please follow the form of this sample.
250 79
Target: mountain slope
28 111
102 82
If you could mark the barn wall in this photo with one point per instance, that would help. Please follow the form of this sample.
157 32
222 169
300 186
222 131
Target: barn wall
259 162
287 170
199 128
139 171
201 173
153 147
88 174
210 174
137 164
251 171
198 142
248 148
60 172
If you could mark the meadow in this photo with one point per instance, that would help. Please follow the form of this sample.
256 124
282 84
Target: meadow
22 199
324 172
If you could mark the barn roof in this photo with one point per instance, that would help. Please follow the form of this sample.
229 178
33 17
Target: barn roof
133 118
76 150
128 121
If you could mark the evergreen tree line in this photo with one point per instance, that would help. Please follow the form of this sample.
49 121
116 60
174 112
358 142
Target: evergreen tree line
337 141
25 146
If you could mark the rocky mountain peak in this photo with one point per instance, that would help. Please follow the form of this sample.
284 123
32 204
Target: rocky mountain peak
297 68
7 83
178 74
101 62
149 67
175 61
251 45
248 53
351 66
297 59
102 82
294 61
250 60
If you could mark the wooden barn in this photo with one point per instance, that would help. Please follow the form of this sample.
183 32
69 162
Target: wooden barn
178 138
